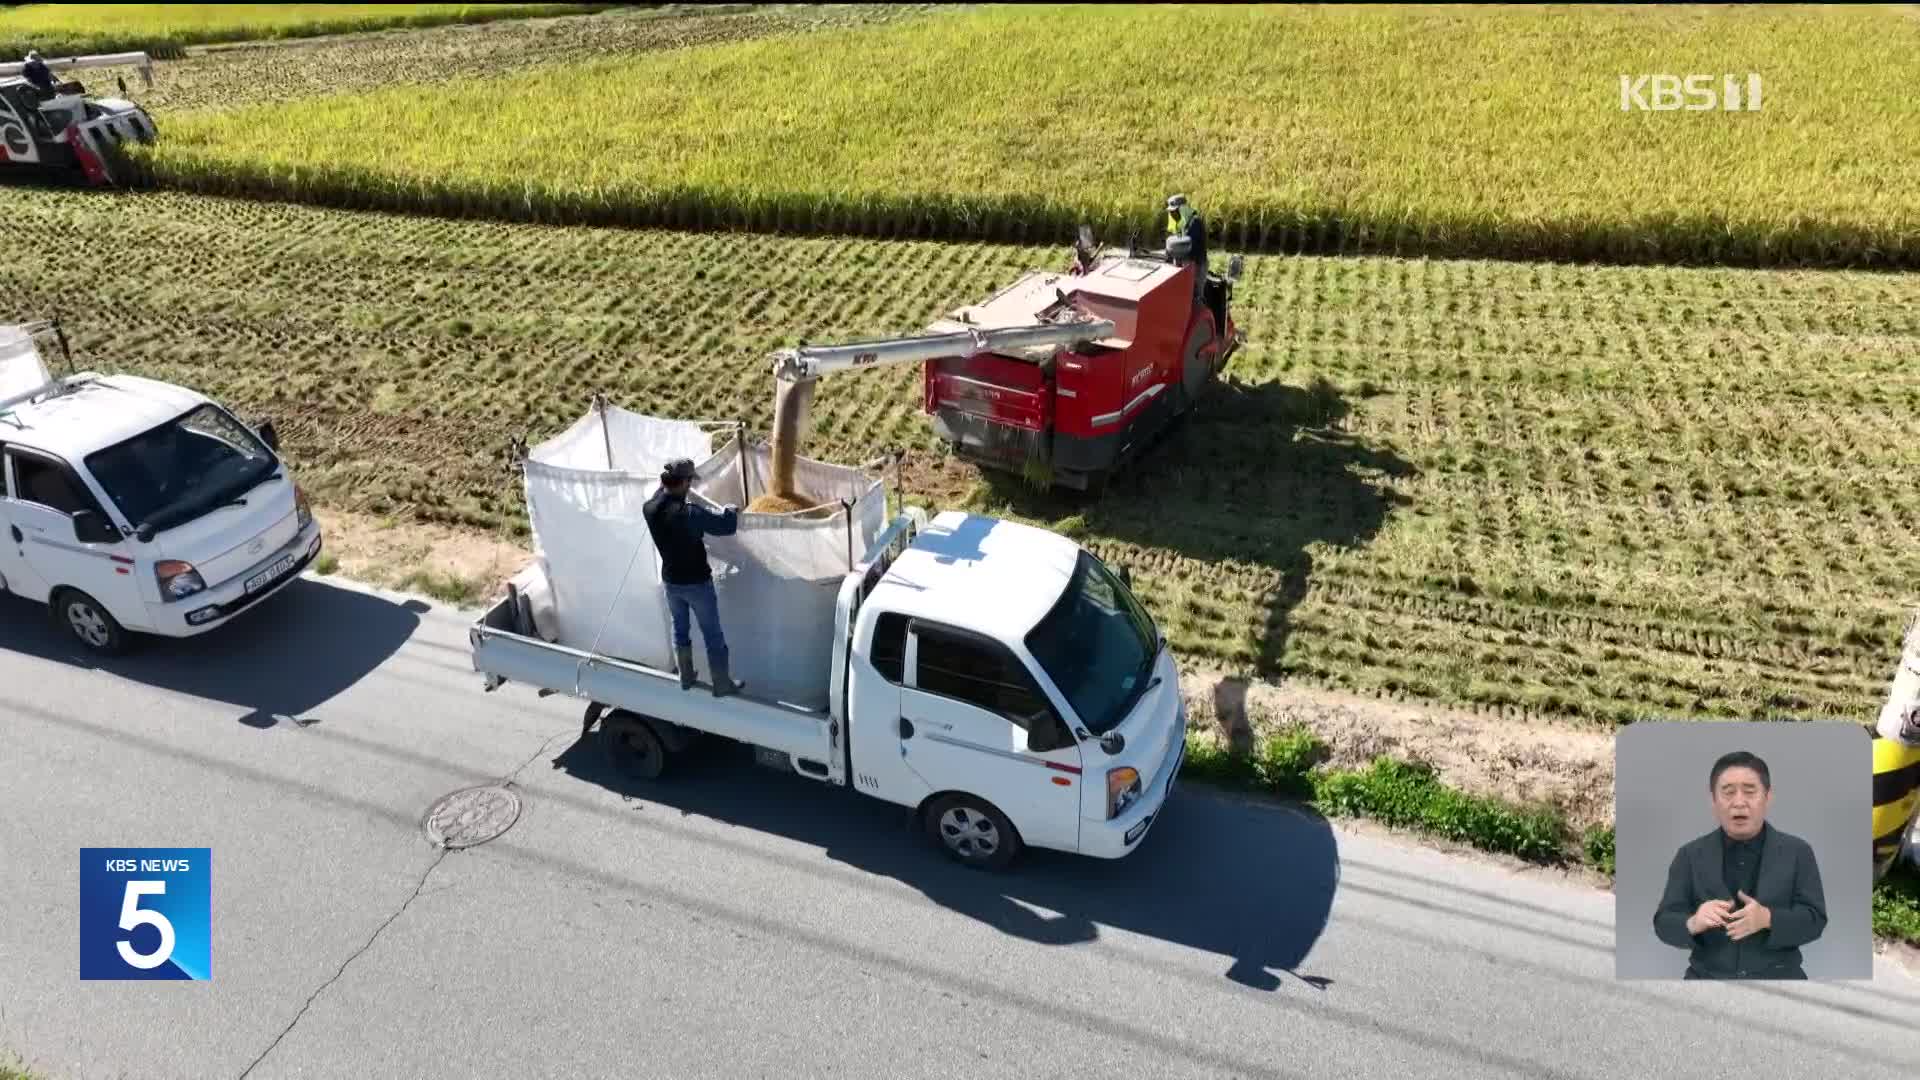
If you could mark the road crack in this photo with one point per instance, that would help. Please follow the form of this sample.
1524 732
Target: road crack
514 776
375 936
418 891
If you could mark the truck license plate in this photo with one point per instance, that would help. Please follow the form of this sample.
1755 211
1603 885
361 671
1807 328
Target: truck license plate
271 573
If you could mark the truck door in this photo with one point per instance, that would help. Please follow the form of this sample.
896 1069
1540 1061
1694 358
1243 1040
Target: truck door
977 722
21 578
43 495
878 671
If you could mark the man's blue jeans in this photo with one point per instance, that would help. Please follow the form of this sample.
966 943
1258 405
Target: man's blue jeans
704 604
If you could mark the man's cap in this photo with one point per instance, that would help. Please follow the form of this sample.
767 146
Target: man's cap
1175 202
678 469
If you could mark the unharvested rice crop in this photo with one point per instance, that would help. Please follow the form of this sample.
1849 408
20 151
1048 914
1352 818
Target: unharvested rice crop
1593 492
165 30
1442 130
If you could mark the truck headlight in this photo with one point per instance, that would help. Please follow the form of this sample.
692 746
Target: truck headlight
177 579
1123 787
303 512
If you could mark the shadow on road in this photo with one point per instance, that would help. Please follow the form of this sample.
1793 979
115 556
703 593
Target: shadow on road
280 661
1252 883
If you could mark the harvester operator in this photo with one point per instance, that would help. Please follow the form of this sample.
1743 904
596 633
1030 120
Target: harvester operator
1184 220
679 527
37 73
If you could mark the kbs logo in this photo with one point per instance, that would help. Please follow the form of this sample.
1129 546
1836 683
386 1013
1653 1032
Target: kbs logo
1694 93
145 913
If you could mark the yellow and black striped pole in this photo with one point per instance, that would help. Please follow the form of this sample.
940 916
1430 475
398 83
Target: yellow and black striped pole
1896 795
1896 757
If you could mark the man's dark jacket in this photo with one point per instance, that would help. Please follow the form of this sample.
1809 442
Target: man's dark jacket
679 528
1788 885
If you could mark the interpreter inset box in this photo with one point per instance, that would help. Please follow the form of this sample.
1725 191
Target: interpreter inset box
1741 851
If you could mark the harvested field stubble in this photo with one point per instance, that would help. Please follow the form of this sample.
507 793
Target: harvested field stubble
1343 129
1602 493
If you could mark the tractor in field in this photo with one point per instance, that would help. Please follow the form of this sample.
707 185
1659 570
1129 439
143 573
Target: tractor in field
1063 376
68 135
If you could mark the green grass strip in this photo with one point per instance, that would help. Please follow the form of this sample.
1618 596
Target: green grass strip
1290 764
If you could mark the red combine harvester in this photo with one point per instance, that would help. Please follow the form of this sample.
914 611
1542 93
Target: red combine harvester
1063 375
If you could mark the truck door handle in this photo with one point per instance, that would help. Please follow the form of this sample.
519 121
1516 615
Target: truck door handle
906 728
17 537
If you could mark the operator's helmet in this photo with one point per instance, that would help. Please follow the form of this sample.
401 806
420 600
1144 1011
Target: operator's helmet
1177 212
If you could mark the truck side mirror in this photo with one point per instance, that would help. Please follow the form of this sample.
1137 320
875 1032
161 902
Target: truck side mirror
1125 575
269 436
90 528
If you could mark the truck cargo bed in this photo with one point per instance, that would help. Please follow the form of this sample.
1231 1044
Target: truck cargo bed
503 654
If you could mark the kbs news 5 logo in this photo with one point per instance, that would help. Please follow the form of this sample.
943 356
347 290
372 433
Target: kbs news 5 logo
145 913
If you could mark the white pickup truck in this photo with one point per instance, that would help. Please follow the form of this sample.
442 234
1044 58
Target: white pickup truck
996 678
132 505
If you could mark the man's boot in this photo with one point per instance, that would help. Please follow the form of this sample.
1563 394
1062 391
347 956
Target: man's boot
684 658
723 683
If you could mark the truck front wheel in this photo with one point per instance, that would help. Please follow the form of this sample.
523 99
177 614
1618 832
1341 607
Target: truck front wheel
89 623
973 832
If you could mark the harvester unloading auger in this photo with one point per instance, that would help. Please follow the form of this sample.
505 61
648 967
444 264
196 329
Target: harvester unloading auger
1066 374
796 372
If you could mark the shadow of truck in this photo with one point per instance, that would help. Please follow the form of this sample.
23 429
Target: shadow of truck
279 661
1250 882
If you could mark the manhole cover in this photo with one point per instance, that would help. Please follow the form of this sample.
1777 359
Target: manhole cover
472 816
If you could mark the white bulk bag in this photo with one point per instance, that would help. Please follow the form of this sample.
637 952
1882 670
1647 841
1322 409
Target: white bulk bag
586 519
776 579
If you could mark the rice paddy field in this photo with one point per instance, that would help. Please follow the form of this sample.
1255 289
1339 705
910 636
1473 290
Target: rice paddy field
165 30
1435 130
1601 493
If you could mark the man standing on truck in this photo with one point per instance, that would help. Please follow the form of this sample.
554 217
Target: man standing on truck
1184 220
679 527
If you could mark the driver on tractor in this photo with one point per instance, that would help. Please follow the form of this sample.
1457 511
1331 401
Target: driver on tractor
1184 220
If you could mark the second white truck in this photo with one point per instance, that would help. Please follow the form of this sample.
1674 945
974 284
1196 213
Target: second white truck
997 678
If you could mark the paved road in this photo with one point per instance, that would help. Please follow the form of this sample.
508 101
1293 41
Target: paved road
738 923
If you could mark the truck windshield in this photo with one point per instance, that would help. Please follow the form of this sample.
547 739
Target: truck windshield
1097 645
182 469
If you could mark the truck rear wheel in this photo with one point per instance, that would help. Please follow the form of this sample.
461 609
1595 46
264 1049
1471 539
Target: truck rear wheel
633 746
973 832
